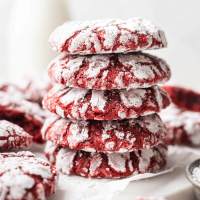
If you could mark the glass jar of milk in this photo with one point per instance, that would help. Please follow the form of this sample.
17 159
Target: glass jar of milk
30 25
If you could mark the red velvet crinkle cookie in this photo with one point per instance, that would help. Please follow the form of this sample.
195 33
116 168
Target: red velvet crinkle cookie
107 36
13 136
100 165
30 90
23 176
28 115
183 126
86 104
105 136
12 89
111 71
34 90
184 98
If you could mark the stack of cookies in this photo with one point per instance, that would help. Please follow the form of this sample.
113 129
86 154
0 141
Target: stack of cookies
105 98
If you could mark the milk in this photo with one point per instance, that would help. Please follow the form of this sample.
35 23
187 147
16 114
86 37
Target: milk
31 23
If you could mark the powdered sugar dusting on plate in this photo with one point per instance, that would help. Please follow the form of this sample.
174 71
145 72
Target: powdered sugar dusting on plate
196 174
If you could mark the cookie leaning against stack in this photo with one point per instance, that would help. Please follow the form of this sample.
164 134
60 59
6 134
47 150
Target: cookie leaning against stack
106 98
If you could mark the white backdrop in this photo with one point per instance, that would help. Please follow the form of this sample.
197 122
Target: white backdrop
179 18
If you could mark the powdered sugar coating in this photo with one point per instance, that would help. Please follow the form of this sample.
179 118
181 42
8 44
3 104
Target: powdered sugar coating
183 126
68 160
105 136
115 165
107 36
23 176
117 162
86 104
111 71
13 136
26 114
